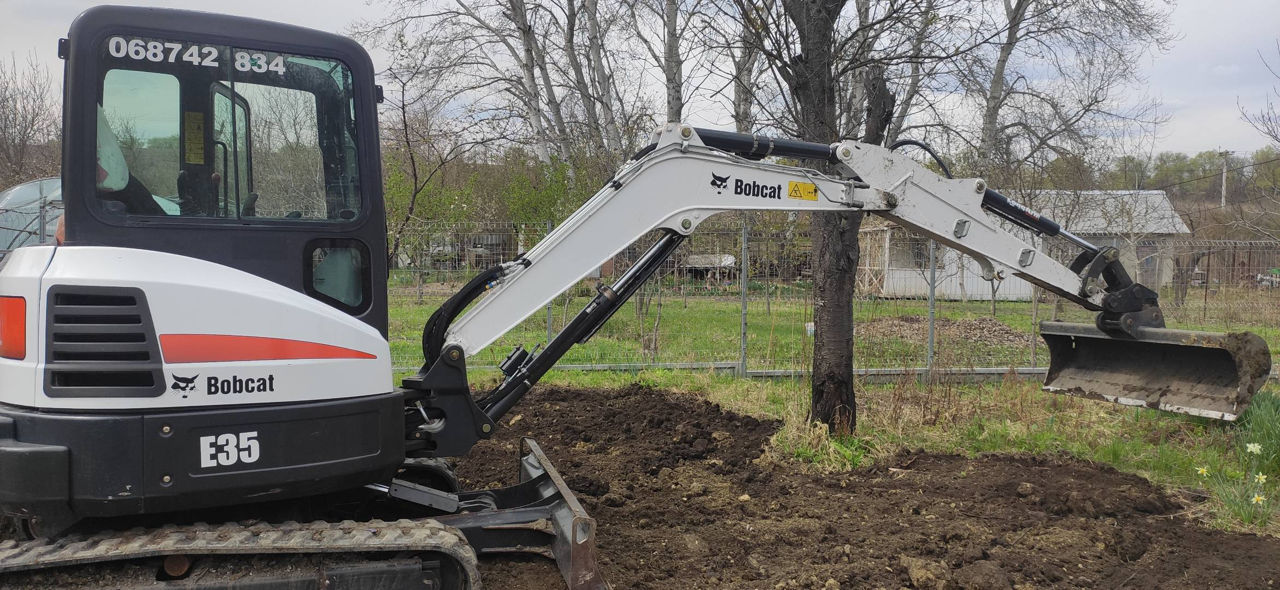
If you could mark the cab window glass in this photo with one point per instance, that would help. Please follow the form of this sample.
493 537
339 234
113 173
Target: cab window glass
220 132
288 161
338 272
140 109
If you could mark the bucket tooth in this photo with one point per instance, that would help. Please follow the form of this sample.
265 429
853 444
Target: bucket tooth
1213 375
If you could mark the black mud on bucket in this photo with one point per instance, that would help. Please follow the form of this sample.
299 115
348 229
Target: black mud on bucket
1198 373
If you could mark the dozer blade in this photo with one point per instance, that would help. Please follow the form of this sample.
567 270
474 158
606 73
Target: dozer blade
1198 373
539 515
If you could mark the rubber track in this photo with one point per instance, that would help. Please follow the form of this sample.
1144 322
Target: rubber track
419 535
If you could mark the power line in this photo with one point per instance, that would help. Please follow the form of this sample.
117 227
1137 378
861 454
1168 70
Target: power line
1246 201
1215 174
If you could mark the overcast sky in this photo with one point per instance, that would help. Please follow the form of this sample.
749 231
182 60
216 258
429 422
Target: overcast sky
1214 66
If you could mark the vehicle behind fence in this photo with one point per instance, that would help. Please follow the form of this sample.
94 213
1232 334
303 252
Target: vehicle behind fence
738 297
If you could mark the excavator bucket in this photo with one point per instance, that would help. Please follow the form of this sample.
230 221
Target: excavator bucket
1198 373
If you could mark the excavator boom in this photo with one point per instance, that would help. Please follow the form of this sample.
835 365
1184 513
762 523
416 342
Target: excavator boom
687 175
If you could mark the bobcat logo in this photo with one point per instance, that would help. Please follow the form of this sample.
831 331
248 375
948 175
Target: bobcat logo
719 182
184 383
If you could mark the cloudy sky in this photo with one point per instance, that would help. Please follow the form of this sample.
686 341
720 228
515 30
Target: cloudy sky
1212 70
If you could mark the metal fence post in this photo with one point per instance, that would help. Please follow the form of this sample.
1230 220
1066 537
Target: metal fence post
44 229
1035 324
933 285
550 335
743 272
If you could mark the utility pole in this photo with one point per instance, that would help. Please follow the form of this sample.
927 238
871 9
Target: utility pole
1225 155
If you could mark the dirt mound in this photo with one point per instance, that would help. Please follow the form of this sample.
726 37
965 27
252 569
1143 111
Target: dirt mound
682 501
913 328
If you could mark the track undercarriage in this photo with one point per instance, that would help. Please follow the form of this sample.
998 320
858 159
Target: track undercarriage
436 549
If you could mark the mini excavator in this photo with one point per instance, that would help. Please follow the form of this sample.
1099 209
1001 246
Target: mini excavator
208 341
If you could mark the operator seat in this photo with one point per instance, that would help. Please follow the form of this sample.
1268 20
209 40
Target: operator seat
114 182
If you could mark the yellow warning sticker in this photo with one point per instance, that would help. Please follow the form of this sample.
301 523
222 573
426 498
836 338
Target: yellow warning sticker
803 191
193 134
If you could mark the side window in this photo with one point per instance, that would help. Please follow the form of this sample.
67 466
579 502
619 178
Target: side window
140 113
288 165
338 273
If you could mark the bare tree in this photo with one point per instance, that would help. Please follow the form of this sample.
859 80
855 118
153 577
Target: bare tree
666 50
1259 213
601 73
426 130
1267 120
1090 47
29 125
918 69
733 29
592 101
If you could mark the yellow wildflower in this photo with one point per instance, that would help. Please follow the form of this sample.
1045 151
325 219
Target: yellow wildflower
1254 448
1202 471
1259 498
1260 478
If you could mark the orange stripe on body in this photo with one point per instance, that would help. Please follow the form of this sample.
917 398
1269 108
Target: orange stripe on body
221 348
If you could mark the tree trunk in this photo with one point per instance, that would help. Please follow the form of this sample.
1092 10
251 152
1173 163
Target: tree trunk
879 105
917 73
601 77
744 90
672 62
996 91
745 58
553 103
835 235
579 76
995 286
533 96
835 260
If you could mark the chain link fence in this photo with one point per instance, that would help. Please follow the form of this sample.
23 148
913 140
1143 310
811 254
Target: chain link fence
738 296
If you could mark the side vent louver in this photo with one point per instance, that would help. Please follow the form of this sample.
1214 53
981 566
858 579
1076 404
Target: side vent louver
101 343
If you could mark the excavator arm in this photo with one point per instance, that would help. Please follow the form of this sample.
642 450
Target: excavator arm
687 175
682 181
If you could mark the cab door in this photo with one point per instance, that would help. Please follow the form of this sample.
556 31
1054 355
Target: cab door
242 142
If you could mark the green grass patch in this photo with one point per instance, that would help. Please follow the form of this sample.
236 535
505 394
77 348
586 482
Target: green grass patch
684 323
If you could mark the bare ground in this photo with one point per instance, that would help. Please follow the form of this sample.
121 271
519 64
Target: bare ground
981 330
684 499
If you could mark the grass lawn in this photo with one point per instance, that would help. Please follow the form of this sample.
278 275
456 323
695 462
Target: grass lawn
700 326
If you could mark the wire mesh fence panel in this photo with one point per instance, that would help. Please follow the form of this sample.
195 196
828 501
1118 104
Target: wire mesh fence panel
29 214
694 312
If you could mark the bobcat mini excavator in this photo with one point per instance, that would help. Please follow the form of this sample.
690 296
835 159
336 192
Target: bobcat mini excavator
209 341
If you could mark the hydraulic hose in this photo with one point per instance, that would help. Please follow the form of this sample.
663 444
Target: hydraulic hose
433 333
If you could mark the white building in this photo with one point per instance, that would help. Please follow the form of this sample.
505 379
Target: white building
895 263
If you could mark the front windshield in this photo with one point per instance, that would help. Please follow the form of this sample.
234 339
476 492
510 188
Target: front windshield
218 132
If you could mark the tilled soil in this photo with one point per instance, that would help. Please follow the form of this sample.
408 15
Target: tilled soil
982 330
684 499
